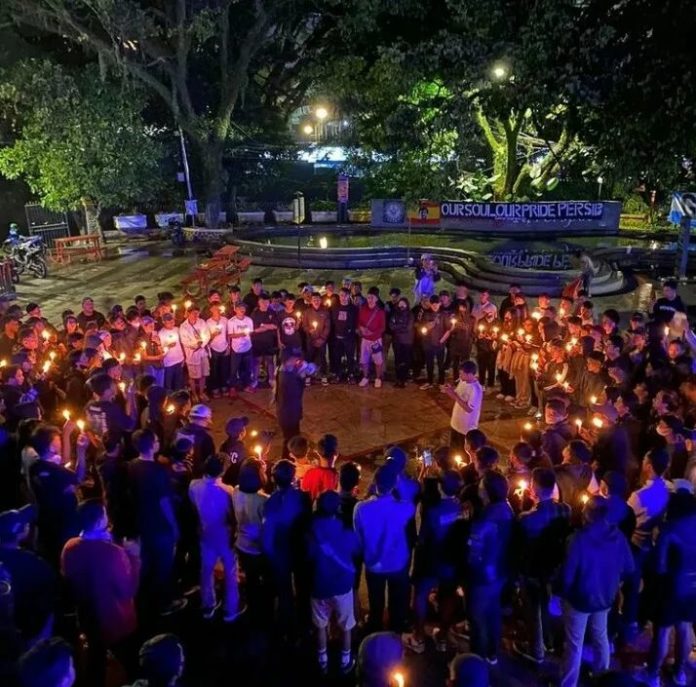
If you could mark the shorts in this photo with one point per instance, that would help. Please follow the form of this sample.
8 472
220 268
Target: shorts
341 606
366 353
198 369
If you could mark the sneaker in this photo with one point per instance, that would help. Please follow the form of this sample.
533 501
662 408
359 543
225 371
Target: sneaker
426 386
648 678
492 660
209 613
500 397
523 649
679 678
308 381
378 383
348 667
509 399
324 381
175 607
410 642
364 381
231 617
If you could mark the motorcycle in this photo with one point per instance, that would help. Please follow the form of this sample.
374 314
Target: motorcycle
27 255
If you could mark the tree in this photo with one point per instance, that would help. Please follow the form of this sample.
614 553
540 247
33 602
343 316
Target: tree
81 142
202 59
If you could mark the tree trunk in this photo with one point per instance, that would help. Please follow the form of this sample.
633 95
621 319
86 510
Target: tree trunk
214 178
92 225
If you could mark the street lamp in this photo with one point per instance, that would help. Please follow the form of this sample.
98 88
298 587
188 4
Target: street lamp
499 71
308 129
322 113
600 181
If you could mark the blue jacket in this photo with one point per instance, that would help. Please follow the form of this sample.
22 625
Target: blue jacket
597 559
286 514
333 551
489 545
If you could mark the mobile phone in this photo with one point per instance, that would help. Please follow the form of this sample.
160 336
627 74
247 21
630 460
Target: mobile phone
427 458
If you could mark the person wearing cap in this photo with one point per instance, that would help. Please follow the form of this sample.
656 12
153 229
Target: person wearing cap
34 582
316 324
155 520
88 315
212 501
173 360
239 329
597 559
371 325
322 477
194 337
197 430
286 516
333 552
102 578
264 340
382 524
233 447
49 663
161 661
219 348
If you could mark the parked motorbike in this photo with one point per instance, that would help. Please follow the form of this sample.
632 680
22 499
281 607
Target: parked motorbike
27 255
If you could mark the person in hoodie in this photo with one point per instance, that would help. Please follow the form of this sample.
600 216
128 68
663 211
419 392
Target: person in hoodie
401 325
558 431
286 513
488 567
316 324
344 319
435 329
333 552
597 559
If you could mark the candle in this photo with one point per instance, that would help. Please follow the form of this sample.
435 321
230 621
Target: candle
527 426
520 332
174 306
170 409
566 386
222 309
573 342
66 414
584 499
666 331
121 357
106 355
528 337
122 387
536 315
505 338
298 315
534 366
254 433
46 366
187 304
593 400
3 363
523 484
597 422
327 302
453 321
496 330
538 416
315 324
535 357
578 423
398 679
559 377
45 335
136 358
569 347
143 345
52 355
481 328
81 425
258 450
458 460
424 330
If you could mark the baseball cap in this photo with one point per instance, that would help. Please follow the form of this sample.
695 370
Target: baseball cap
13 521
167 316
235 425
201 412
147 320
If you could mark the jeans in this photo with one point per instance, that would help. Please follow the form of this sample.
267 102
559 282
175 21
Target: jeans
240 370
343 350
269 363
432 354
537 596
396 585
575 624
486 364
157 570
256 574
660 647
317 355
631 587
403 353
219 371
212 551
174 377
485 613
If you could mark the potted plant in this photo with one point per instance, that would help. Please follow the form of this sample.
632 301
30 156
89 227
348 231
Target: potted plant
360 214
324 212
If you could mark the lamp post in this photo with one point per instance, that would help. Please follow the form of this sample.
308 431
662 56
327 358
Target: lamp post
321 114
600 181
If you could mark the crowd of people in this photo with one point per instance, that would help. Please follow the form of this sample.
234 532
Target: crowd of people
117 504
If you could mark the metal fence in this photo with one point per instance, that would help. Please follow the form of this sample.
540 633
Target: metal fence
47 224
7 287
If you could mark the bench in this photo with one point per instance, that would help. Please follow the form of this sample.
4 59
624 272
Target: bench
87 246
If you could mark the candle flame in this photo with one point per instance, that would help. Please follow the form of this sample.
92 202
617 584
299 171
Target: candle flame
66 414
81 425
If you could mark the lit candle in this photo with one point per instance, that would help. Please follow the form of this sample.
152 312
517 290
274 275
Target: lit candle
527 426
327 302
106 355
258 450
121 357
3 363
222 309
578 423
298 315
399 680
424 330
170 409
597 422
187 304
453 321
254 433
481 328
174 307
534 365
536 315
52 355
66 414
573 342
122 387
523 484
535 357
458 460
45 335
46 366
584 499
496 330
593 400
520 332
315 324
666 331
81 425
143 345
559 377
136 358
566 386
528 337
505 338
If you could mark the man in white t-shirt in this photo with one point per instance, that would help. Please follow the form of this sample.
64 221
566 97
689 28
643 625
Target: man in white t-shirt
194 336
468 399
173 361
239 330
219 349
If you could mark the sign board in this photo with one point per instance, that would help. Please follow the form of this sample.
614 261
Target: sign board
426 213
191 207
342 188
551 217
683 205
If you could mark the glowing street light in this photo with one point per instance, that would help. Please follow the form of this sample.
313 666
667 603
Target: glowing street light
308 129
499 71
323 242
322 113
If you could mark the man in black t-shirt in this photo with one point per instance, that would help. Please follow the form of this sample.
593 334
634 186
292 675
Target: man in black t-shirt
252 298
344 318
153 499
670 303
289 320
264 340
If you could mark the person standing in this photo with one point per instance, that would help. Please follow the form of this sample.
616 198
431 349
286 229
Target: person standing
173 360
212 501
264 340
401 325
195 337
344 317
289 392
468 399
383 526
371 326
239 329
597 558
316 323
219 350
435 329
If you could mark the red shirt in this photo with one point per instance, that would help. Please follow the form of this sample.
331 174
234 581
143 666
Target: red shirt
317 480
374 320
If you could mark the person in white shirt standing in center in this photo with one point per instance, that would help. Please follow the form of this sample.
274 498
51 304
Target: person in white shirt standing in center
195 337
239 329
219 349
468 399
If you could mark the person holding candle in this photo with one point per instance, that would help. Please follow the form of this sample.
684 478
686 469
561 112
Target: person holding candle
558 431
324 476
103 414
437 326
219 345
371 325
251 300
197 430
264 340
88 315
173 360
149 348
344 321
194 337
10 326
468 399
316 324
239 330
